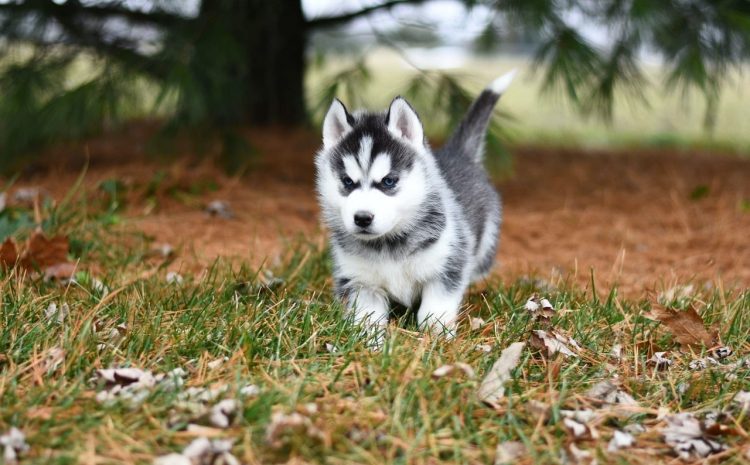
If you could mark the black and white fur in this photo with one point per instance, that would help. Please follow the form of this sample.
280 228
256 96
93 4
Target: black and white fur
407 224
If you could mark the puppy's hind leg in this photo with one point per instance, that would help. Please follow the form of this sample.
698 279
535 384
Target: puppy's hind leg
439 308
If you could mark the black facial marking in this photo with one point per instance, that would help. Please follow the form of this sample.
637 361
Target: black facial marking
375 127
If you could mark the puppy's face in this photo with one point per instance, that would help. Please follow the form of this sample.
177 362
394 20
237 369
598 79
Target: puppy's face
371 172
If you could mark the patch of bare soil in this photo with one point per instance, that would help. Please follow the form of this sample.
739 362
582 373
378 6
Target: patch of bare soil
642 220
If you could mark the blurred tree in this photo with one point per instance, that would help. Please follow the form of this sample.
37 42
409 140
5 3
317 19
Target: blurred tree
229 62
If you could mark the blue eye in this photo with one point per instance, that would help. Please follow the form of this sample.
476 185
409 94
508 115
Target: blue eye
389 181
347 181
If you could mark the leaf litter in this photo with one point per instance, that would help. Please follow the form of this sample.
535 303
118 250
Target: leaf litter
492 388
14 445
508 452
446 370
133 385
202 451
46 255
686 326
660 361
553 342
57 314
284 426
688 438
620 440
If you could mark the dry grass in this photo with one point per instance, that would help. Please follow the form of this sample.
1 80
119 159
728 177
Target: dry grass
287 337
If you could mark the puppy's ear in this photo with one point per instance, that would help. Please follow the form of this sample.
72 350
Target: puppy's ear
404 123
336 124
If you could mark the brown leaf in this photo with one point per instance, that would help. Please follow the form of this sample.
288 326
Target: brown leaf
552 342
60 271
43 252
687 326
8 253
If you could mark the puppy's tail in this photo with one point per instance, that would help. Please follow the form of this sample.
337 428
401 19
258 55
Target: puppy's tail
468 138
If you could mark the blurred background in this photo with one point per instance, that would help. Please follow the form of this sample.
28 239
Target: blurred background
622 145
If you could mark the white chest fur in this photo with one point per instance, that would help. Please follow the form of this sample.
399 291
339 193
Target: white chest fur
400 278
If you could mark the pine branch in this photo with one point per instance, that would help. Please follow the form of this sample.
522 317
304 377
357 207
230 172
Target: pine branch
100 11
79 28
332 21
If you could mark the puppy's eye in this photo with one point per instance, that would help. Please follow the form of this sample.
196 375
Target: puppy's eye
389 181
347 181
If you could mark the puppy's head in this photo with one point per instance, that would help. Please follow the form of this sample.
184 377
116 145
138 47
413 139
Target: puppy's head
371 172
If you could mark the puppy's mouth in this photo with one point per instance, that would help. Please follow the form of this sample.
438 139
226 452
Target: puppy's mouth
365 234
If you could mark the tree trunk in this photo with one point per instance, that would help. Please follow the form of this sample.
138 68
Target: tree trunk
268 62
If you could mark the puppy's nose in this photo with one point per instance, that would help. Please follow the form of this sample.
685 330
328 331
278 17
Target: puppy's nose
363 219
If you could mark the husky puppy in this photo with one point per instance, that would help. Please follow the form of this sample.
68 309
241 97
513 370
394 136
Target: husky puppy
407 224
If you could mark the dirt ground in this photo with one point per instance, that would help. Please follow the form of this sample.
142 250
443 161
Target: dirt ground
642 220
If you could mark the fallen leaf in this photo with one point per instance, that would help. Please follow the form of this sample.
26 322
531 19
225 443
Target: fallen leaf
702 363
532 304
42 252
538 409
222 413
743 399
492 388
579 430
685 434
331 349
58 315
445 370
173 459
686 326
616 352
219 208
722 352
202 394
552 342
214 364
8 253
99 287
476 323
202 451
635 428
581 416
508 452
660 361
60 272
283 425
163 250
28 196
608 392
174 278
486 348
620 440
249 390
53 358
580 456
131 385
14 444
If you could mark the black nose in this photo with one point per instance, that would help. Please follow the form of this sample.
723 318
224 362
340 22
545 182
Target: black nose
363 219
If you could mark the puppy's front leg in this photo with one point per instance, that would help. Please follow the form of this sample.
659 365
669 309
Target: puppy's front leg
439 309
370 310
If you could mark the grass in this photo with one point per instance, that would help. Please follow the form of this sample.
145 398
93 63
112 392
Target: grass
365 407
